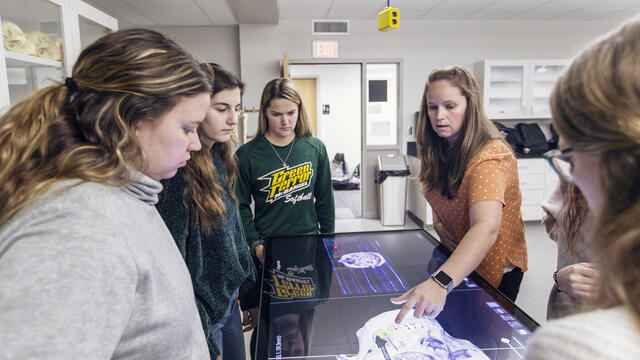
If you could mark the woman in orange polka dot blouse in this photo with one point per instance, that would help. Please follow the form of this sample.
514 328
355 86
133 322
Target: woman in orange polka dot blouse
469 176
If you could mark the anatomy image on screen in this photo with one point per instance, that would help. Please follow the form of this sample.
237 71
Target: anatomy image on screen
413 339
361 260
362 267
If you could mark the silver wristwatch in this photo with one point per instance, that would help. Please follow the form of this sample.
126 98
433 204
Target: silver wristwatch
443 279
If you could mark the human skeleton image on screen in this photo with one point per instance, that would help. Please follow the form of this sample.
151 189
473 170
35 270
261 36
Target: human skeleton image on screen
414 339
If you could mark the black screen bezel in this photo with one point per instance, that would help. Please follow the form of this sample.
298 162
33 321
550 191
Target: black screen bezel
260 347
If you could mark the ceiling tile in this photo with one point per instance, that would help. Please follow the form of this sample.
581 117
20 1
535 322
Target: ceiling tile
492 15
566 5
581 15
619 16
406 14
305 4
226 12
368 5
170 12
423 5
303 14
353 14
514 5
217 11
446 14
462 5
537 15
125 12
255 11
609 6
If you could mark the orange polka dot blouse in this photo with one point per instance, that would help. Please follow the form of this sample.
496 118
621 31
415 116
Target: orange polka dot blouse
490 175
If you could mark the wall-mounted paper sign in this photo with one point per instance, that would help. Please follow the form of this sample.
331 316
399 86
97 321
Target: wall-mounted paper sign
325 49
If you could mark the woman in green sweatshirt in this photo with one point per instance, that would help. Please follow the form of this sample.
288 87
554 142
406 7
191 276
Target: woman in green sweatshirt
285 170
201 212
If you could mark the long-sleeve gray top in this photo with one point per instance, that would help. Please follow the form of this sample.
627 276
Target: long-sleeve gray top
91 272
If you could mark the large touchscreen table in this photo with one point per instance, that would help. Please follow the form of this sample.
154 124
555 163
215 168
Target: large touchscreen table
327 297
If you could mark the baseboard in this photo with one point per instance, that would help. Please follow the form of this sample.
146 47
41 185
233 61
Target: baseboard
415 219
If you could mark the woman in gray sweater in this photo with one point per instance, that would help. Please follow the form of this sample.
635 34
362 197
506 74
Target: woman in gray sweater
88 270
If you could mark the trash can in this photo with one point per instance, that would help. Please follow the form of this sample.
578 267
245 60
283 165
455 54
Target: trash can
391 176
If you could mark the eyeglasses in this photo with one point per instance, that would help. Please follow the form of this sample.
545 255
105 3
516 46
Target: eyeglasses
560 163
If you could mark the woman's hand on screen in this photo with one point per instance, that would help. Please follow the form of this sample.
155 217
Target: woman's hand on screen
427 298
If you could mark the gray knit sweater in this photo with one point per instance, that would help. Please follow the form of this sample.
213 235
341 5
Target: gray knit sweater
610 334
91 272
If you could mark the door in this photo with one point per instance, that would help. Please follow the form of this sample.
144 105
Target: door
336 106
307 89
381 105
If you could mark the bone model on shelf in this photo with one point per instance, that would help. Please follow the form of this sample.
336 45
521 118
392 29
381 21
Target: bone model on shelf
44 46
34 43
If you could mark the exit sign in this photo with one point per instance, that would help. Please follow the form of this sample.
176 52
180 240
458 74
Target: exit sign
325 49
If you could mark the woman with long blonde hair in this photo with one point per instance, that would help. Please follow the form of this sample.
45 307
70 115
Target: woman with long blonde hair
200 210
88 269
285 170
469 176
596 111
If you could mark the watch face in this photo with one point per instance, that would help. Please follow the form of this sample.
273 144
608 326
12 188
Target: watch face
443 278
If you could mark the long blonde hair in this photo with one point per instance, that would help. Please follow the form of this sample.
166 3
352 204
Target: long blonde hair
282 88
200 175
443 166
596 109
84 130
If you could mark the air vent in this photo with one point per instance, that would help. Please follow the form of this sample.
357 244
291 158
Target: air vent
330 27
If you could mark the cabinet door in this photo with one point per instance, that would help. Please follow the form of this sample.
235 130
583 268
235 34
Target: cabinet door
542 78
90 31
531 173
505 84
86 24
32 56
92 23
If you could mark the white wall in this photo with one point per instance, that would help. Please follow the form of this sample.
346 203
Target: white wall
255 51
260 56
339 87
218 44
423 45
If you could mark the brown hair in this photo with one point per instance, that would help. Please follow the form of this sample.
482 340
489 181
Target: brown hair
596 109
85 130
443 166
574 208
202 184
282 88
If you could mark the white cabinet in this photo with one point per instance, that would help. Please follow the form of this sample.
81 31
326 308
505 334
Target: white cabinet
518 89
41 41
537 181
